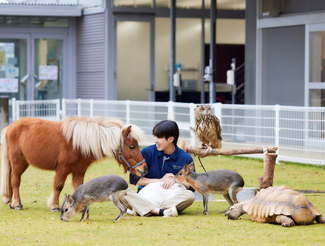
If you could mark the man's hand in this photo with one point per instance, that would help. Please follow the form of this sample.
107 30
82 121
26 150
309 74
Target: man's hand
168 180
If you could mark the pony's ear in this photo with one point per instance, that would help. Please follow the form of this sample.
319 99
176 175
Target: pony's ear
126 131
191 166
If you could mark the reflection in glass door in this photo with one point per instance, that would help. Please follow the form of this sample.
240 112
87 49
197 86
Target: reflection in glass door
13 68
48 64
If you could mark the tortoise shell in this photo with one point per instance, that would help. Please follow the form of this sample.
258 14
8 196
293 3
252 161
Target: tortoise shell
281 200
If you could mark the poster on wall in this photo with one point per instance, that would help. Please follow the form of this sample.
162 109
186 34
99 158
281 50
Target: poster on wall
12 72
48 72
9 85
2 57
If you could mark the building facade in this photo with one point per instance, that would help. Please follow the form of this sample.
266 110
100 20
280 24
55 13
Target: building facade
285 51
121 49
36 46
113 50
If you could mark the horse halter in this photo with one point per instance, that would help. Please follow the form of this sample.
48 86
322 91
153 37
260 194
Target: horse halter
120 156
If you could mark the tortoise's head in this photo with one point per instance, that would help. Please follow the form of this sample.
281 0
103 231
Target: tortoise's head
234 211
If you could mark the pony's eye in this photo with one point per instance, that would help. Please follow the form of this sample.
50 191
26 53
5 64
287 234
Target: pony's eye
131 147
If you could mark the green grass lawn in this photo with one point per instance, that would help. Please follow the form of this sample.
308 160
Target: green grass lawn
37 225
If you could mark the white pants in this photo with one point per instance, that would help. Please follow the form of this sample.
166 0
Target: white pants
143 207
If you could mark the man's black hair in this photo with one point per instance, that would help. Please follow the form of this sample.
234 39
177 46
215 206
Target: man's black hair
166 129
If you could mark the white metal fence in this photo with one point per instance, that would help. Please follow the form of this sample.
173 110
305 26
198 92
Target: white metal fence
298 132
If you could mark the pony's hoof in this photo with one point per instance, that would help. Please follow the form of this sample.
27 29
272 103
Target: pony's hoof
55 209
18 207
6 200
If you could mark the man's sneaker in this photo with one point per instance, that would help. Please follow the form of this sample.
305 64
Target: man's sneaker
171 212
132 212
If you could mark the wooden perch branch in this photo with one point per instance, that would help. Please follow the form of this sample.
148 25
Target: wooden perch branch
269 163
269 160
206 152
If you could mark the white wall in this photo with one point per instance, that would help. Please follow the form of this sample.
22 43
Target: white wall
133 60
229 31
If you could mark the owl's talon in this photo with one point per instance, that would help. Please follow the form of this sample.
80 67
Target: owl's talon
203 146
209 150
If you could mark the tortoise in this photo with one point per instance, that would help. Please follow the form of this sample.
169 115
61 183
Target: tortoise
279 205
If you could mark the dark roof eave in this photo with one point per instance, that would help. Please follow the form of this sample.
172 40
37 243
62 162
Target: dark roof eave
40 10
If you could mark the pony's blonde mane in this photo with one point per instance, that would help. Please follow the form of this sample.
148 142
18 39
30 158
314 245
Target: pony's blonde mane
97 136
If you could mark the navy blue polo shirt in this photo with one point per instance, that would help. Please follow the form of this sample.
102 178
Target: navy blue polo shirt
159 163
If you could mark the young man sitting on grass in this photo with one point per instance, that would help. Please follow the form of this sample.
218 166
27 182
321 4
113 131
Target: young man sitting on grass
164 159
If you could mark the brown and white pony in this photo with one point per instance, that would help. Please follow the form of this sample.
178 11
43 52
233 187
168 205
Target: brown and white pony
68 146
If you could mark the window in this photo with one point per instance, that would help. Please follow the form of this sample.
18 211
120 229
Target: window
315 67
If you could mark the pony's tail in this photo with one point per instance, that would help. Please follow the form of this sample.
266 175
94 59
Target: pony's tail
6 190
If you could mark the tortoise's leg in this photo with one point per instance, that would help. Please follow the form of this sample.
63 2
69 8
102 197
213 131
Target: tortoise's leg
284 221
320 219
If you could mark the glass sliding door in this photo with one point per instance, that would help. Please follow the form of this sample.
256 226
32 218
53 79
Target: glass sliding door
48 64
14 75
31 68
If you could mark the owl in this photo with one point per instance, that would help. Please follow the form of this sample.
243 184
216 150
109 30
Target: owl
207 127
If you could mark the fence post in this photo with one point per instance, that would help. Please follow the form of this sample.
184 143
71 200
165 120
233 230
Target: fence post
218 111
64 108
91 113
57 108
171 110
192 124
13 109
79 106
277 109
127 112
